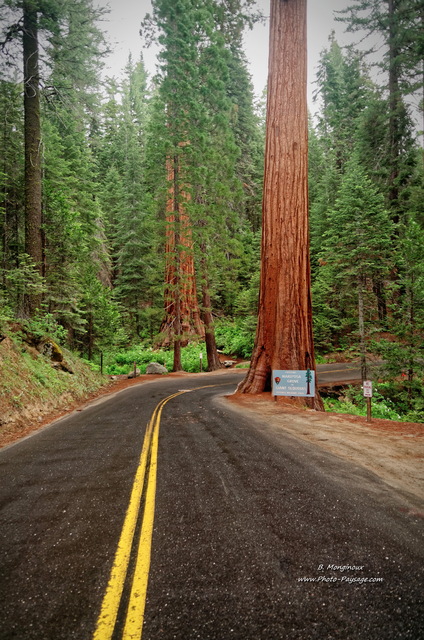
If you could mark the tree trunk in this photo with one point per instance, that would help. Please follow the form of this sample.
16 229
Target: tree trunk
411 337
214 363
179 247
173 204
284 334
90 336
32 133
361 322
378 288
177 364
396 108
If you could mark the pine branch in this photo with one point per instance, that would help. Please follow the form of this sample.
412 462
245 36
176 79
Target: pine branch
13 32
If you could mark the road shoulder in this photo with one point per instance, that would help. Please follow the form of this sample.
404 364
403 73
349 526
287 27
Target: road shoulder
394 454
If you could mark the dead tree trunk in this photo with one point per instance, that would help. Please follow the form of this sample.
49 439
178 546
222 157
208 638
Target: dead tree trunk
32 134
284 334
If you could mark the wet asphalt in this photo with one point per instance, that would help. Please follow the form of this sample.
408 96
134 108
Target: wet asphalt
257 535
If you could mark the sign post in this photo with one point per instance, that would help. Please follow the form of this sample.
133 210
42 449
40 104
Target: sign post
201 361
367 387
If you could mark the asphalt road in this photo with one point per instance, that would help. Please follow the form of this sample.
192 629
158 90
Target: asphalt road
341 373
256 535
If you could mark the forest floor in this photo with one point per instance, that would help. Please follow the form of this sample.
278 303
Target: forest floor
392 450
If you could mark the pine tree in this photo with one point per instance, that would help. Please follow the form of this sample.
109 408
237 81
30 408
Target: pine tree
182 29
65 28
12 179
344 88
357 244
200 153
399 22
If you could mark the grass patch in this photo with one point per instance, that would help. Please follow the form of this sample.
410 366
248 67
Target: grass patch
122 362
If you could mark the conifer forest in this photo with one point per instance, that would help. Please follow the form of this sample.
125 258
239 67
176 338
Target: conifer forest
131 207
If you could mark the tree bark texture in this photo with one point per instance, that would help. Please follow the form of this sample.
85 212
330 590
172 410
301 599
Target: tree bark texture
214 363
361 323
180 279
395 109
284 333
32 134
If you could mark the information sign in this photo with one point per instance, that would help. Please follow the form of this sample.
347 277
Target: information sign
367 387
293 383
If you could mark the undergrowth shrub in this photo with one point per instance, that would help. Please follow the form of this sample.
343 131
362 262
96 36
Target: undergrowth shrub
387 403
122 362
236 337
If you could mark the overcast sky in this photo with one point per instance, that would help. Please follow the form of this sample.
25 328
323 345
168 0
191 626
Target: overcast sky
124 20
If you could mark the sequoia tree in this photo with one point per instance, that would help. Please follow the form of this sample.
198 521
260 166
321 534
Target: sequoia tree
284 333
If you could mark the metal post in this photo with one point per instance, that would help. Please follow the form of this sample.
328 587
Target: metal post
101 362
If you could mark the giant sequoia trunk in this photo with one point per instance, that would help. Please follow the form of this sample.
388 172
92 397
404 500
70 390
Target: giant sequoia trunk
32 132
182 314
284 333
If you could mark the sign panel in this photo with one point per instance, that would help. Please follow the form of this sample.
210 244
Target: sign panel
293 383
367 387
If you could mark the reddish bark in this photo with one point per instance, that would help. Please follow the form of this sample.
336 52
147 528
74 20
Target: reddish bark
284 334
180 291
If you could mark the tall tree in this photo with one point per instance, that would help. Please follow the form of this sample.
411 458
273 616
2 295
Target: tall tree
182 28
200 143
65 30
12 176
344 87
32 133
357 246
232 18
399 23
127 205
284 335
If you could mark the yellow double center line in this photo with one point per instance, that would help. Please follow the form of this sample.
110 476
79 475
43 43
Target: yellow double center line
111 602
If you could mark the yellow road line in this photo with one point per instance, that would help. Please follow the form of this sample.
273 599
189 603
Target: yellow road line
112 598
107 618
109 611
135 615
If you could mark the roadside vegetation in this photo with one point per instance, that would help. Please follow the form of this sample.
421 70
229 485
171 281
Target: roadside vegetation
39 377
390 402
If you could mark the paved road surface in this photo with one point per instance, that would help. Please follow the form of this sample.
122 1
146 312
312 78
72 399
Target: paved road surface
340 372
251 530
